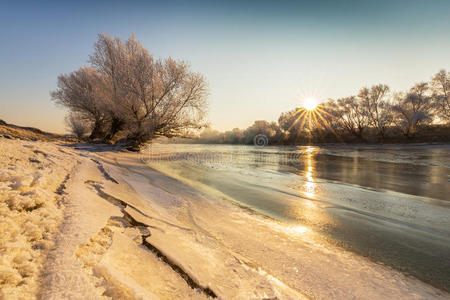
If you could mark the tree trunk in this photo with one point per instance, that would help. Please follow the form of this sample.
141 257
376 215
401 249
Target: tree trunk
116 126
97 130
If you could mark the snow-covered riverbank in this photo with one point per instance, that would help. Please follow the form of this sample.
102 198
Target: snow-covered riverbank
32 181
93 223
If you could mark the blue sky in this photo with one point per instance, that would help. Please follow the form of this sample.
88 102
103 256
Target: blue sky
259 57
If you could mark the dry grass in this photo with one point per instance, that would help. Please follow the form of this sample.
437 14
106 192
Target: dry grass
11 131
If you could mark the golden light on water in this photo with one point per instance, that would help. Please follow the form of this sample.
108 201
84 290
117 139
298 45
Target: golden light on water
309 189
309 211
309 179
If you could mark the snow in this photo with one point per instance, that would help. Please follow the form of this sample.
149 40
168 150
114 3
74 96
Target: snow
30 213
94 223
85 215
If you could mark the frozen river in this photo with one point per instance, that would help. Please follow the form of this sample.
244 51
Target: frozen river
390 204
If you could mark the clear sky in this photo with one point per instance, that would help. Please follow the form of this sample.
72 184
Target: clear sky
260 58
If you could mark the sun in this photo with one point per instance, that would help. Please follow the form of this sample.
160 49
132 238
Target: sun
310 103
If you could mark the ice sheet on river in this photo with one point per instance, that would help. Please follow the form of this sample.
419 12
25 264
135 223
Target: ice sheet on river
239 254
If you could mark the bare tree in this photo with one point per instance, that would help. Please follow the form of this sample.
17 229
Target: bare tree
353 117
83 92
441 94
413 109
293 124
330 115
109 59
77 124
162 96
375 112
127 89
377 107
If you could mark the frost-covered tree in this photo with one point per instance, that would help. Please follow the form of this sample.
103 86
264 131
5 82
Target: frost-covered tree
77 124
84 93
293 124
128 90
440 84
377 107
353 116
413 109
268 129
109 60
330 115
162 96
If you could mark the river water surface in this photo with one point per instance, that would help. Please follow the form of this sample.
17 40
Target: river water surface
390 204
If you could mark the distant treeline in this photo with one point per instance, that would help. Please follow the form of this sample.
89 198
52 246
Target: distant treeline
421 114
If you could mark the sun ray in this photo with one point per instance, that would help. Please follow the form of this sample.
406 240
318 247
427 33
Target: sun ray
325 112
331 128
301 113
302 124
314 115
322 127
311 117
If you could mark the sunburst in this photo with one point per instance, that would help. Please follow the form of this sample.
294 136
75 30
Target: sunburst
313 114
310 103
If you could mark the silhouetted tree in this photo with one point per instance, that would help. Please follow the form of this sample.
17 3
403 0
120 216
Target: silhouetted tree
377 107
330 115
353 116
292 123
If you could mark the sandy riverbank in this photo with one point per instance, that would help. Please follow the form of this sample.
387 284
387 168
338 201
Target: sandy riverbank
92 223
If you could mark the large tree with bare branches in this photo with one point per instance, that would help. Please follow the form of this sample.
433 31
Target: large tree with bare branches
128 90
353 116
377 108
84 92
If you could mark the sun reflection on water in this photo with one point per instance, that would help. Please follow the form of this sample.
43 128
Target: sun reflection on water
309 185
309 189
